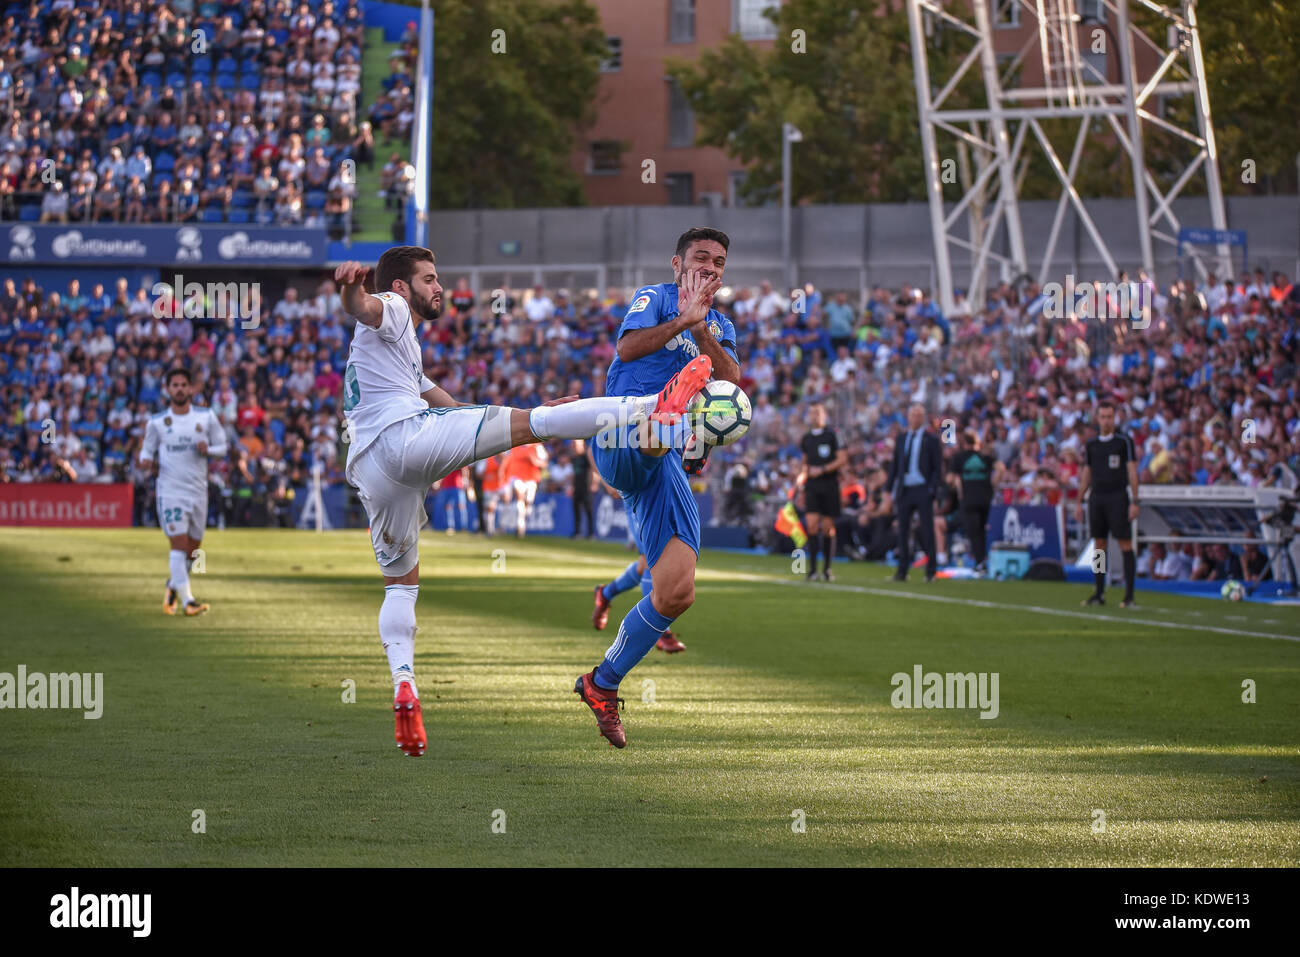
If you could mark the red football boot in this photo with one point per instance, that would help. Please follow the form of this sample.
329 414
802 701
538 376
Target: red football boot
681 388
604 705
600 611
410 721
669 643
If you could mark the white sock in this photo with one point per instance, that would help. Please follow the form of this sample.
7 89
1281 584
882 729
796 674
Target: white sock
180 579
397 631
585 417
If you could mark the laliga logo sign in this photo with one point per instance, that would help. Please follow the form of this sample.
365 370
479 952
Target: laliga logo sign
1014 532
22 243
189 242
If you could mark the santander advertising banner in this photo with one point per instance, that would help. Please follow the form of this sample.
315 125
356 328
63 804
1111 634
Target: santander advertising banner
52 504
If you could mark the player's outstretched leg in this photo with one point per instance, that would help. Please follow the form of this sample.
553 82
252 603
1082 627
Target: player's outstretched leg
584 418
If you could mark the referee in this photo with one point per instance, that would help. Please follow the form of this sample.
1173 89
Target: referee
974 472
1110 473
822 460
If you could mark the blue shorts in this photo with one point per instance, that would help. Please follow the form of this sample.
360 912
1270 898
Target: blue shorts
655 493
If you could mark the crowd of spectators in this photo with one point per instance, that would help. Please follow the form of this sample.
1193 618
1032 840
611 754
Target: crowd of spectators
1207 390
189 111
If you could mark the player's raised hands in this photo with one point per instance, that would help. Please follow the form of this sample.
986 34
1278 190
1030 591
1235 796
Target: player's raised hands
350 273
698 291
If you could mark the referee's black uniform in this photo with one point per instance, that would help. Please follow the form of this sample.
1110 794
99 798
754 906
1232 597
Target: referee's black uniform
821 495
976 472
1107 459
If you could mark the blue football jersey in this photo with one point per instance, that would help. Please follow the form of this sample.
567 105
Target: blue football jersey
650 306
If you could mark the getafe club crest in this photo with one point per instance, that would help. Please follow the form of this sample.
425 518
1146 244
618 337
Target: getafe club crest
715 329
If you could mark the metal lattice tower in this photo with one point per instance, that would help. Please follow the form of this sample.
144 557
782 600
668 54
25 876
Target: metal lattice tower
992 140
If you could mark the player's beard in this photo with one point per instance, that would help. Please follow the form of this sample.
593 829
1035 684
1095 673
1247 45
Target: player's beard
425 308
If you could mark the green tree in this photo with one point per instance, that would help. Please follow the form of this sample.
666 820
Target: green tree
1252 68
505 124
850 94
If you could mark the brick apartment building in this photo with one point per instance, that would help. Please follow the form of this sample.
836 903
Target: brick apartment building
643 115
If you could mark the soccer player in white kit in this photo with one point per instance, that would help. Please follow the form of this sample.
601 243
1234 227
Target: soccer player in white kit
177 445
406 433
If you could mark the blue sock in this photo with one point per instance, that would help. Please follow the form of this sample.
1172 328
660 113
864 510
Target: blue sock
646 582
622 583
636 636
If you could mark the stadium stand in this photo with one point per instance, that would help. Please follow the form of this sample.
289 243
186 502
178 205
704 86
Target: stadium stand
89 363
146 112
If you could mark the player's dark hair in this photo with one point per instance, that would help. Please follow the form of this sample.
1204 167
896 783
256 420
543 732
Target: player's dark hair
698 233
181 371
399 263
1105 404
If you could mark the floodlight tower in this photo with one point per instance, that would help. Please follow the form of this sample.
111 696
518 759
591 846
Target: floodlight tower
1060 77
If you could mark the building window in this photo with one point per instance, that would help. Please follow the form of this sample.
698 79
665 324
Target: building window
1009 70
748 20
681 188
681 21
614 62
1093 10
1006 13
606 157
681 118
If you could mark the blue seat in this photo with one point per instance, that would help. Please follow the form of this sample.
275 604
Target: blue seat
202 65
227 64
29 214
164 163
241 199
212 214
250 65
265 216
177 80
281 36
249 81
160 178
240 216
315 200
225 81
153 80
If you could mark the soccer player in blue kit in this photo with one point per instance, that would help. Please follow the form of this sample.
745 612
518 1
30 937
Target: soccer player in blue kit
668 327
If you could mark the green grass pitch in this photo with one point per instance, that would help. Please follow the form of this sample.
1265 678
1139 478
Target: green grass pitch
779 711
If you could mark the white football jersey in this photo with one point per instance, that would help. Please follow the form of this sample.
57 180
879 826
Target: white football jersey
385 375
172 440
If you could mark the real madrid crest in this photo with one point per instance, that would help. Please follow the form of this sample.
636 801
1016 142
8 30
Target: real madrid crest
198 427
167 421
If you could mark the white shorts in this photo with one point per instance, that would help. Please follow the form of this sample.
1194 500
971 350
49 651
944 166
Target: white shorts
524 491
183 516
393 475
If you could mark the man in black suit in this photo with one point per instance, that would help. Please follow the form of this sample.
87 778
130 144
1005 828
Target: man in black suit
914 479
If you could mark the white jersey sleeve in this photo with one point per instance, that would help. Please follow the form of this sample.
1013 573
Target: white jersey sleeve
385 375
149 451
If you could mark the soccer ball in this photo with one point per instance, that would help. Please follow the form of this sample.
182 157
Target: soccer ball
720 413
1233 590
